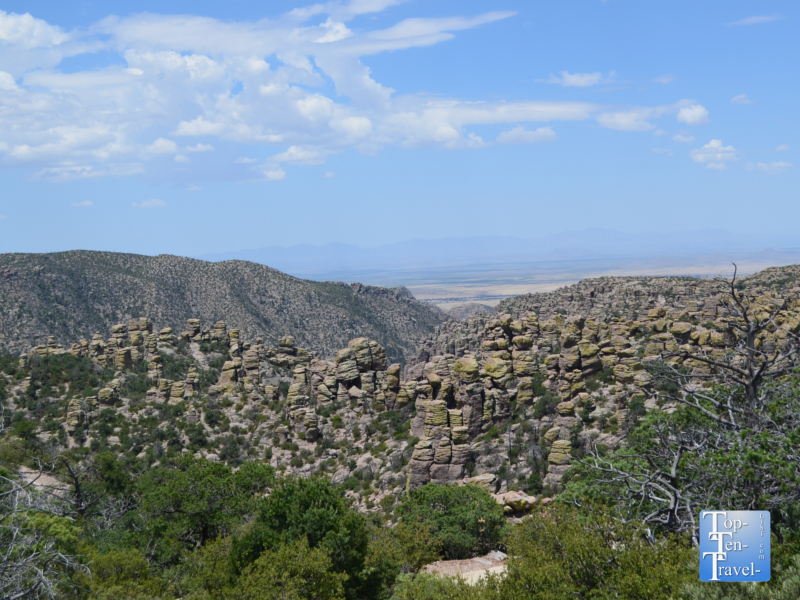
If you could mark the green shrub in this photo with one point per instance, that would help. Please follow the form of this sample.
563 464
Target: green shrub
545 405
292 571
465 520
314 510
560 552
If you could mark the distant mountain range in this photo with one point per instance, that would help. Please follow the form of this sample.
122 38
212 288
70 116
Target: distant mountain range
423 259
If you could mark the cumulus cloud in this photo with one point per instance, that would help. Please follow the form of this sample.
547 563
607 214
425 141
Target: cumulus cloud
200 148
774 168
629 120
714 155
741 99
28 32
665 79
7 82
190 84
273 174
152 203
693 115
639 118
299 155
162 146
193 188
757 20
567 79
71 173
83 204
683 138
329 175
520 135
783 147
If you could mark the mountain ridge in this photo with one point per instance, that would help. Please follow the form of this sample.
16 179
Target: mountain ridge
79 293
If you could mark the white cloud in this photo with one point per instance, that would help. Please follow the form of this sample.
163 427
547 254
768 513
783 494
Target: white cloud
520 135
7 82
329 175
199 126
774 168
299 155
714 155
273 174
28 32
314 98
200 148
335 32
665 79
71 173
3 217
666 151
660 132
683 138
638 118
193 188
152 203
741 99
757 20
243 160
567 79
693 115
783 147
83 204
630 120
162 146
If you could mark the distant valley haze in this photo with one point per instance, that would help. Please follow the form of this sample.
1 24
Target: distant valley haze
451 271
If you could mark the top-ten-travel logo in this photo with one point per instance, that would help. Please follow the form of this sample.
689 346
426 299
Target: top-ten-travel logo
734 545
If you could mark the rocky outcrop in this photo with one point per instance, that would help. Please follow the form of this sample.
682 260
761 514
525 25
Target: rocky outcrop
504 401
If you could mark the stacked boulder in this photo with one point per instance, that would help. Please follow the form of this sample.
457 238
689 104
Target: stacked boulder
358 376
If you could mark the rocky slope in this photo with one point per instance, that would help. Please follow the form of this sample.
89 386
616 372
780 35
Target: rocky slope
77 294
506 400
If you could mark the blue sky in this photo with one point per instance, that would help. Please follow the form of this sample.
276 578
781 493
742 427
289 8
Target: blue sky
199 127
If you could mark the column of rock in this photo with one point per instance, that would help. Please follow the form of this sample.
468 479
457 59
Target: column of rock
192 383
298 404
229 378
219 332
288 355
469 396
252 376
81 349
323 381
391 387
192 332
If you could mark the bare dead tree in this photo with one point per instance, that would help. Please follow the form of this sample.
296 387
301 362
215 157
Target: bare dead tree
740 451
759 346
31 563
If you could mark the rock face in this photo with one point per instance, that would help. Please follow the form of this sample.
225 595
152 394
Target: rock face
586 345
322 316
